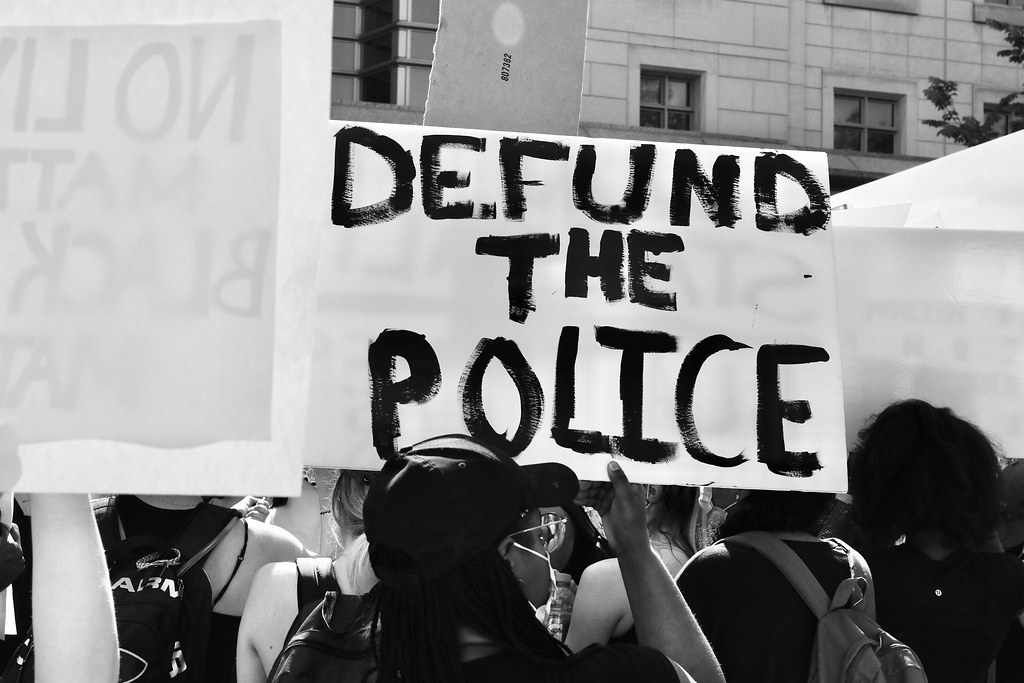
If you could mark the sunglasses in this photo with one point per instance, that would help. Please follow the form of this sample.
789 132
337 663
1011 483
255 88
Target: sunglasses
551 531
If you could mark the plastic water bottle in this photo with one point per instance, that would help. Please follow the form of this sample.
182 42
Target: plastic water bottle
560 606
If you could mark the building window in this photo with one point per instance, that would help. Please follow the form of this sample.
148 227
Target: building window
1005 120
382 50
1009 3
865 123
668 101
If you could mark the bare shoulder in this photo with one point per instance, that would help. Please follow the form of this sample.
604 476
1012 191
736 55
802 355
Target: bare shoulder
273 588
271 543
233 564
275 578
602 574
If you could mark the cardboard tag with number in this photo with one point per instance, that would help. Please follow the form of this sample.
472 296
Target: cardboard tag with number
515 65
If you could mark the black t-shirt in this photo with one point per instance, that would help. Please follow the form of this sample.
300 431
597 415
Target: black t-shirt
596 664
760 628
141 518
954 613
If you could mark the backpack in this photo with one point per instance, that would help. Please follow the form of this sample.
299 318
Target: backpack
314 579
322 646
162 610
849 646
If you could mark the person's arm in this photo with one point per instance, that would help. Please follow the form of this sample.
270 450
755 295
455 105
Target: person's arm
269 611
662 617
601 608
72 607
266 543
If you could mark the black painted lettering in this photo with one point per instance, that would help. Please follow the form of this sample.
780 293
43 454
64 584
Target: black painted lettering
719 195
608 265
531 395
634 344
640 244
578 440
634 198
403 172
688 371
387 392
806 220
511 154
435 181
520 250
772 410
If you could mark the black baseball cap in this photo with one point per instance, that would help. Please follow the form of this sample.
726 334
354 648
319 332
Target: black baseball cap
444 500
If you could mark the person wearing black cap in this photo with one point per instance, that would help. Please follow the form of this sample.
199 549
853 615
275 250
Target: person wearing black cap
450 524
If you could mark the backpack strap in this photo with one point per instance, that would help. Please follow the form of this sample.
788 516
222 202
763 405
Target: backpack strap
315 578
791 566
109 524
341 611
859 568
207 527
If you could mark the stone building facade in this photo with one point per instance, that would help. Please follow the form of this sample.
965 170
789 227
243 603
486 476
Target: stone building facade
844 76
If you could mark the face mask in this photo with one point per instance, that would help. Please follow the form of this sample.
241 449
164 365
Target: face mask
547 562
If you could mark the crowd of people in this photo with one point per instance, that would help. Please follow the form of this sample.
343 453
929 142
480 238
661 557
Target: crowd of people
443 565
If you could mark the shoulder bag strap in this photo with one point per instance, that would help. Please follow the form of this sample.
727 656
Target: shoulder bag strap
314 578
859 568
790 564
205 550
107 520
207 525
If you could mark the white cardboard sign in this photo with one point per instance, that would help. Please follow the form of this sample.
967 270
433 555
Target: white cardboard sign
578 298
936 315
159 257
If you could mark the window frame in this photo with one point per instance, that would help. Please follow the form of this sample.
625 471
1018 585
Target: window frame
865 127
693 81
395 65
988 108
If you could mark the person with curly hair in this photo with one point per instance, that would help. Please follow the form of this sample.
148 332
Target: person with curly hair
925 493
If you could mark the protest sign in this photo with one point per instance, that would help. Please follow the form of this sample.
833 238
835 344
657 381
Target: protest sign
512 65
573 298
936 315
975 188
159 181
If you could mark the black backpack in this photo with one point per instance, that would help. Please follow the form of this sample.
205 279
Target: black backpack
162 609
314 579
322 644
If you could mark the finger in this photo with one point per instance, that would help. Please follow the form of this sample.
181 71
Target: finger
15 533
620 483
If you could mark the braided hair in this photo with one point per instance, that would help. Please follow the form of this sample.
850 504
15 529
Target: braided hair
416 634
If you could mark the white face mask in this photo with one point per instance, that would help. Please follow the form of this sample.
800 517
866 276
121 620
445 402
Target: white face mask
547 561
